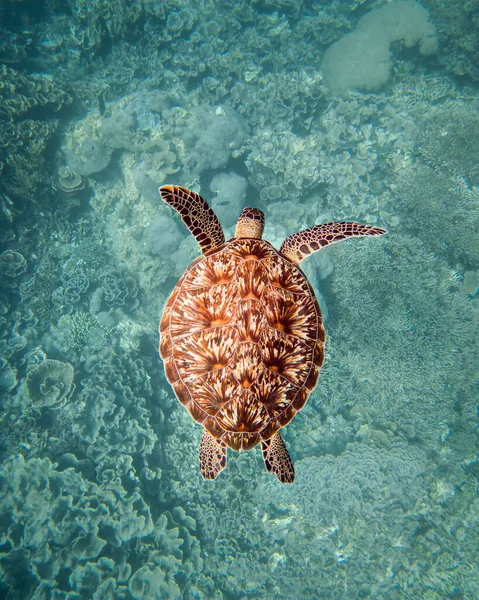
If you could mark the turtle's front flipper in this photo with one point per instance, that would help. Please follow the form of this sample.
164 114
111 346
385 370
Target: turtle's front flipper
300 245
196 215
212 456
276 458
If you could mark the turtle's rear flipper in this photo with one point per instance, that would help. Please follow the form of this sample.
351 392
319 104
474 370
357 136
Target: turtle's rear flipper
277 460
212 456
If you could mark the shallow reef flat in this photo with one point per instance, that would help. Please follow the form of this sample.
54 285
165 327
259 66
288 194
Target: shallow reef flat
312 112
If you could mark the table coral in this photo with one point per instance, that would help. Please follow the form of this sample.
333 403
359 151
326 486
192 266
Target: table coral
50 383
12 264
67 181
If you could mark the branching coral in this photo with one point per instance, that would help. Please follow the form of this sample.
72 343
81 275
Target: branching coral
407 313
451 143
429 201
80 333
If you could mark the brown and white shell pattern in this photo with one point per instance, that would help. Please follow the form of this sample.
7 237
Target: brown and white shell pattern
243 341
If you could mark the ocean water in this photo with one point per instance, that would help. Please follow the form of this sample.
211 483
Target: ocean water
313 112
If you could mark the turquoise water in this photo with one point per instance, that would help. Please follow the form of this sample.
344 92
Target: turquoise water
313 112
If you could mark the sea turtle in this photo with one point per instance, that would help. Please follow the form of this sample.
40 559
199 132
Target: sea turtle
241 336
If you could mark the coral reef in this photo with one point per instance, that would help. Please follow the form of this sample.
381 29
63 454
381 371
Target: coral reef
103 102
67 181
153 171
456 24
452 208
24 140
451 144
90 157
230 190
212 137
45 509
12 264
49 383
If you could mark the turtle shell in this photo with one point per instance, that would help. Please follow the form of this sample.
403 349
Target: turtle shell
242 341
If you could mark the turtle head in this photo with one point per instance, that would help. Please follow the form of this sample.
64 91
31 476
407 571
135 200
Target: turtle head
250 223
